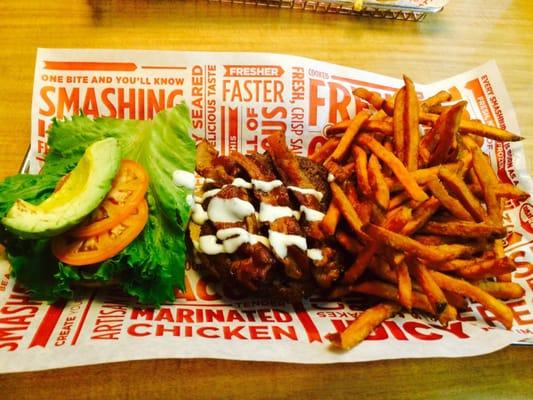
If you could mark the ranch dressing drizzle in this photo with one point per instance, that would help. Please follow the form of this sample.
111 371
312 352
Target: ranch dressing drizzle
232 239
200 180
206 195
229 210
239 182
199 215
266 186
318 195
315 254
208 245
311 215
184 178
270 213
280 241
235 210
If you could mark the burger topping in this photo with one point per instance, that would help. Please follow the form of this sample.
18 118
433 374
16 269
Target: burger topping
235 209
199 215
232 239
206 195
266 186
263 220
229 210
270 213
311 215
115 223
318 195
315 254
87 251
280 241
127 190
239 182
184 178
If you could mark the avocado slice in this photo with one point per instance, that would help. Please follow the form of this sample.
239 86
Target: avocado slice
86 187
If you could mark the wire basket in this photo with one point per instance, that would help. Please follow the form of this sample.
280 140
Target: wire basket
401 10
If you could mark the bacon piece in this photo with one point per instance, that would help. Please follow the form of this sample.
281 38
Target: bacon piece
296 263
210 165
255 267
288 167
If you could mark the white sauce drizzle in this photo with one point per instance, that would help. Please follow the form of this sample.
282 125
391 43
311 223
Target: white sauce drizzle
232 239
199 215
200 180
184 178
315 254
311 215
270 213
236 209
262 239
208 245
266 186
229 210
318 195
331 177
239 182
280 241
206 195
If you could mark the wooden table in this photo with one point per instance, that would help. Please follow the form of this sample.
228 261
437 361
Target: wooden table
465 35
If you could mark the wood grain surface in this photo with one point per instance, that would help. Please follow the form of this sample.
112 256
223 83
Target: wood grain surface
464 35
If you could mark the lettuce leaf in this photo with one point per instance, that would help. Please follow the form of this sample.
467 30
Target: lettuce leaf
152 266
35 188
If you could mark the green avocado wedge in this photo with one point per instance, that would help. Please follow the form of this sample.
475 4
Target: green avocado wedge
83 191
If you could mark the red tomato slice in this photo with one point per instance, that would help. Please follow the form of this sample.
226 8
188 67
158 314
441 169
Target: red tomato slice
128 189
86 251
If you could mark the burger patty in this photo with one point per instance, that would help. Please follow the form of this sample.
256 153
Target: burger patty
261 235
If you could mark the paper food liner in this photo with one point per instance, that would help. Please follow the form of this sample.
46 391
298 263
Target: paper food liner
236 101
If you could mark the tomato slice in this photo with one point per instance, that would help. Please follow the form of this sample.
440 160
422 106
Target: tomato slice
128 189
86 251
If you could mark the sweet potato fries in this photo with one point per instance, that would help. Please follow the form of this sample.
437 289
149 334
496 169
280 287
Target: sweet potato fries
432 238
